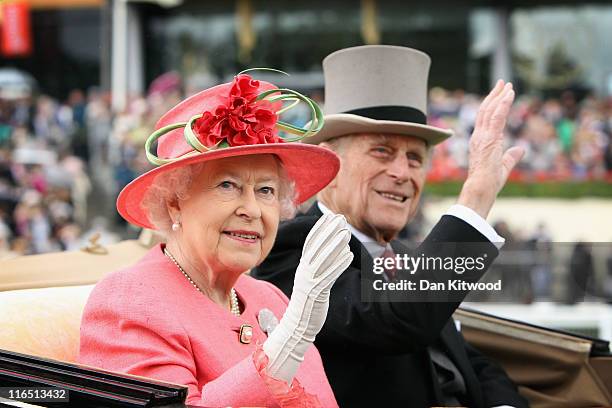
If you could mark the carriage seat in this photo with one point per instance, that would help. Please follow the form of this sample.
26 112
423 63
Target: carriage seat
43 322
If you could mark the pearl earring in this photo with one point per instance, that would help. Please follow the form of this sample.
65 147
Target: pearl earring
176 225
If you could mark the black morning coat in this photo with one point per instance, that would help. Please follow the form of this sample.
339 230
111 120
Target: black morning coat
375 352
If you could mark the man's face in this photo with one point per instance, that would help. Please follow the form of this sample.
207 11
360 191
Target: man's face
380 182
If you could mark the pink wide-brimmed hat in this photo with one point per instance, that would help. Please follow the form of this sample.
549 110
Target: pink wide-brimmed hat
234 119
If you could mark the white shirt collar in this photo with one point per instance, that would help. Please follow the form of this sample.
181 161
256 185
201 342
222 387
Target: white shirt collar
374 248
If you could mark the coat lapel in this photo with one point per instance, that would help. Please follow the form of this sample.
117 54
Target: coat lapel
453 343
359 251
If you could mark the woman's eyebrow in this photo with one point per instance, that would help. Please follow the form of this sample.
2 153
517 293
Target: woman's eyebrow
268 179
226 173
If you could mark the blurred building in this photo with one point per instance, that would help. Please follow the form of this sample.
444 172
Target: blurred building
65 42
541 45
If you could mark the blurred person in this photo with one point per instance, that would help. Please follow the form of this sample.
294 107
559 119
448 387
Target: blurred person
459 144
186 312
515 275
80 186
380 351
5 133
562 168
77 103
22 217
586 154
443 163
608 154
19 137
169 83
543 144
98 119
581 272
125 170
78 106
552 111
22 113
6 171
540 243
566 127
60 211
21 220
458 148
444 103
102 150
593 121
5 248
36 178
69 237
6 113
40 230
608 281
159 102
468 112
50 124
65 119
518 115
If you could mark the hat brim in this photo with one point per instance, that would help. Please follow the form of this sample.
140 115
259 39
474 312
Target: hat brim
310 167
342 124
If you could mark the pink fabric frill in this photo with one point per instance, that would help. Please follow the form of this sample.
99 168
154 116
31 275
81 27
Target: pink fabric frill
286 396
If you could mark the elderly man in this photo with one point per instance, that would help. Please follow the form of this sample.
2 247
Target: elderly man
382 348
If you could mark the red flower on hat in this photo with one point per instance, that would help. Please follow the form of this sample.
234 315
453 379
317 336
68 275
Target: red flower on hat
241 120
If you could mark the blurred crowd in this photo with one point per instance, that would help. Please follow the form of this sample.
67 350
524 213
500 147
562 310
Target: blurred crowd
62 163
532 267
564 139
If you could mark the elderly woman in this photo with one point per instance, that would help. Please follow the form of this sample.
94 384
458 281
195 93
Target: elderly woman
186 313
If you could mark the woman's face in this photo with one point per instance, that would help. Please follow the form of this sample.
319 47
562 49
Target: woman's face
230 218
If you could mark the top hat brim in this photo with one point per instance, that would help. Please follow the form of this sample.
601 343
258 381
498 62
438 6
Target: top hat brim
311 168
342 124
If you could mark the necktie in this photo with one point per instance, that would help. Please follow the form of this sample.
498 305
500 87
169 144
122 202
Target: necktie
390 272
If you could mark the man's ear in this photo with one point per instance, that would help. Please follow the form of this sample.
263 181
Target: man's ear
334 183
326 145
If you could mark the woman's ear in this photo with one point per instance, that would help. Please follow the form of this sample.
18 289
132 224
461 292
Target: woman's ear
174 209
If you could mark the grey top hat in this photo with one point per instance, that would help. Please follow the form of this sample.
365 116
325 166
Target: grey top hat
377 89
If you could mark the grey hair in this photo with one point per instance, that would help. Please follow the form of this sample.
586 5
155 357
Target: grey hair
338 144
175 184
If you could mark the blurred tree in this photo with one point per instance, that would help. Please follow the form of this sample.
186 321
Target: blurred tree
560 72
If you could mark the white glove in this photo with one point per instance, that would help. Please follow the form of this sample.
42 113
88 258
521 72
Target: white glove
325 256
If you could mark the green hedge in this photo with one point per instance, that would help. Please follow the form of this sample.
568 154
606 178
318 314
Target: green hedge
556 189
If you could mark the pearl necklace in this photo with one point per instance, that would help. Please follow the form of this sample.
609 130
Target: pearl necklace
234 305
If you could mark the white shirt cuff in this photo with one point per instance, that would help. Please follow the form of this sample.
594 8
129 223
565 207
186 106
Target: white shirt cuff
480 224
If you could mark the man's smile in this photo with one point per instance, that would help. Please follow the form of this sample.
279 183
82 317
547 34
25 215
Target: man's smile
399 197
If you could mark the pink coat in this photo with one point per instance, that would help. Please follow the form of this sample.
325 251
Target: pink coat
148 320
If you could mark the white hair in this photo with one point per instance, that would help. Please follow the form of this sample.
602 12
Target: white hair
175 184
